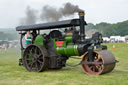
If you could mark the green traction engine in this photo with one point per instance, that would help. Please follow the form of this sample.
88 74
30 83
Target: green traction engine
65 39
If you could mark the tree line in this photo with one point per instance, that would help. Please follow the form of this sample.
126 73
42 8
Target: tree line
8 35
108 29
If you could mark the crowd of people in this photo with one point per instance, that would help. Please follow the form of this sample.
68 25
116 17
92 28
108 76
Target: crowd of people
5 45
3 48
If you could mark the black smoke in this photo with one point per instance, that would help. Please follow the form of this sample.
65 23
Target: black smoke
30 16
53 14
49 13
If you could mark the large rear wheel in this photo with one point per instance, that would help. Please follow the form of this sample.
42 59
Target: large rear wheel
35 58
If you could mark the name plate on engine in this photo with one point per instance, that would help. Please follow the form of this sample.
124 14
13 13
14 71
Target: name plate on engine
59 43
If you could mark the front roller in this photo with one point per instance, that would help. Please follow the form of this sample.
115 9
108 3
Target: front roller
103 62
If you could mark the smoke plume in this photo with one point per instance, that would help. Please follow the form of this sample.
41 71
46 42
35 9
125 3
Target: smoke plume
52 14
30 17
49 13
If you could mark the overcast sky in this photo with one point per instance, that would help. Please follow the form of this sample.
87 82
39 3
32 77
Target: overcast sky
111 11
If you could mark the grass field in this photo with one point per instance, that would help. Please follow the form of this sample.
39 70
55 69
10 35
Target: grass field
12 74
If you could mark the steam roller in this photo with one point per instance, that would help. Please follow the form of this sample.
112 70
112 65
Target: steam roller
67 38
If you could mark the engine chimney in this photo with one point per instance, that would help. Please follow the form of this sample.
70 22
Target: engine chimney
82 26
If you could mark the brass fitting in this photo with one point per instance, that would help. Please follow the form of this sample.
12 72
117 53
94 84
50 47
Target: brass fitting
81 13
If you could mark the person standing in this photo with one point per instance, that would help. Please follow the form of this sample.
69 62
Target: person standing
28 38
5 48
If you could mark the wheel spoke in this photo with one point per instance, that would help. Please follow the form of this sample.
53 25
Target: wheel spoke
92 68
35 50
40 61
39 55
99 67
31 65
98 60
28 59
30 52
36 66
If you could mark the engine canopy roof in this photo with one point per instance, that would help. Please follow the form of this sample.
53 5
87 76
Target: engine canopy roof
50 25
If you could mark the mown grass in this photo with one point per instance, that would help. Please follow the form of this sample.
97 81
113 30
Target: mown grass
12 74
